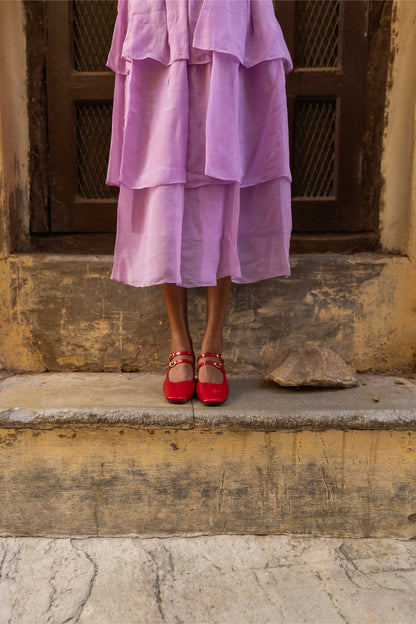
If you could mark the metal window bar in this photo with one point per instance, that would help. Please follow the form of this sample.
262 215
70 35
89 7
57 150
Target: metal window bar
93 24
314 149
93 144
317 33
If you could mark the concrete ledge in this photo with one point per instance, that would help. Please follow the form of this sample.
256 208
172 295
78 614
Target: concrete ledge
105 454
129 399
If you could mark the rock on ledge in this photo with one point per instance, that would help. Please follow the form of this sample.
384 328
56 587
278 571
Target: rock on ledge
311 366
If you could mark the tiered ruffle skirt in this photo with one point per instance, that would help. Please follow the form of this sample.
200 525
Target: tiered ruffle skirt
199 142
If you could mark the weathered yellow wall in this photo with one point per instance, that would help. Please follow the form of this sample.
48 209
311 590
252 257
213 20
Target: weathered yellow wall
398 208
384 333
14 130
120 480
64 313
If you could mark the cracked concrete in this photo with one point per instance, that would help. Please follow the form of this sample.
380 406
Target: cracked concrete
232 579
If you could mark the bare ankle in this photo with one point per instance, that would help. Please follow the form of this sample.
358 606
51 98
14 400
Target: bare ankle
181 343
212 344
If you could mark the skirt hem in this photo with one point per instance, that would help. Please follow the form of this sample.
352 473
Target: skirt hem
285 274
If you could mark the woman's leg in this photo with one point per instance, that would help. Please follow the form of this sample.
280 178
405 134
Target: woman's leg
176 302
217 304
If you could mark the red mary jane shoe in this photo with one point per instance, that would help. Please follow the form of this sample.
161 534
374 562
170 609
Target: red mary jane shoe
212 393
179 391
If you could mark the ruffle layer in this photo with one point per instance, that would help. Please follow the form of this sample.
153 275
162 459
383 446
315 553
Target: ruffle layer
199 142
171 30
194 236
199 124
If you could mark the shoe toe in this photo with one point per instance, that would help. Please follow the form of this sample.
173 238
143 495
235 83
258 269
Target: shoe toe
180 391
212 394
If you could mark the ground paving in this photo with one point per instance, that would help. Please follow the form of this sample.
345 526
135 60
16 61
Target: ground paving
207 579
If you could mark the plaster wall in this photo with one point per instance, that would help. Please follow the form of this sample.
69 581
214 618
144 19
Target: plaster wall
398 206
14 129
62 313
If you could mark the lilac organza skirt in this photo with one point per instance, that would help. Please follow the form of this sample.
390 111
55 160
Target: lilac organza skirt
199 142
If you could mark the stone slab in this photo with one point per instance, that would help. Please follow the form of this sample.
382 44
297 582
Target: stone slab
51 399
106 454
241 579
136 399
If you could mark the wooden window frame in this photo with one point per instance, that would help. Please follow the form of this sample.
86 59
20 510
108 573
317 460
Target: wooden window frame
66 87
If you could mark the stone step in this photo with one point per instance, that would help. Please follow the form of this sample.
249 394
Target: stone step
104 454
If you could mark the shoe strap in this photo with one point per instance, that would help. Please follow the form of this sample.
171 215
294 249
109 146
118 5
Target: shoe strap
173 363
172 355
211 363
217 355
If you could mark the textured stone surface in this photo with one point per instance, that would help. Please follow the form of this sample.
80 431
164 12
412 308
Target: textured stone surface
63 312
68 398
233 579
105 454
125 480
318 367
136 399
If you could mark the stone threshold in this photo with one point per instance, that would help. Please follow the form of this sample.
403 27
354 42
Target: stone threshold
49 400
